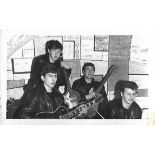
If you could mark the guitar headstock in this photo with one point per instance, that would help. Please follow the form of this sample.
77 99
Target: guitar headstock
112 69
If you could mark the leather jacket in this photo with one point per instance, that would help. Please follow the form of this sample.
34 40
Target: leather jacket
115 110
38 100
35 79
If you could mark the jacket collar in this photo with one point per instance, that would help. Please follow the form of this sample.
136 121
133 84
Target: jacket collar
121 105
42 88
83 80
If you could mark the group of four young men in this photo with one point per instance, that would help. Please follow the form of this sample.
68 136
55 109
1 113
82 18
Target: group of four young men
41 94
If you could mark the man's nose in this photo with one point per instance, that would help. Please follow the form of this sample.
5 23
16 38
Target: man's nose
57 53
132 96
90 71
54 79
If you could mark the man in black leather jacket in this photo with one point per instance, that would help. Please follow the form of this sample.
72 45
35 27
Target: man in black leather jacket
124 107
42 98
86 85
53 55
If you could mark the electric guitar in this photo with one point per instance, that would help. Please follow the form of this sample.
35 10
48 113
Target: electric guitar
63 113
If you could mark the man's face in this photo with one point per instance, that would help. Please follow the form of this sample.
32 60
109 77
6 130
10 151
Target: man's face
50 79
89 72
129 95
54 54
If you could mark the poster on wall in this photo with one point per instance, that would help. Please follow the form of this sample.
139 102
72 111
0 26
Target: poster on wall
21 65
101 43
87 49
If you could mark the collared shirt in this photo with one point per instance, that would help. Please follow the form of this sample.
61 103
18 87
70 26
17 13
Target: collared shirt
83 88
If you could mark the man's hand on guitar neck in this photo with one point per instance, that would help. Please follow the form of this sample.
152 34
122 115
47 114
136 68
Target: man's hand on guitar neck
91 94
98 97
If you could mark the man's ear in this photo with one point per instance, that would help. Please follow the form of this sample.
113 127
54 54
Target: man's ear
48 51
121 94
83 72
42 78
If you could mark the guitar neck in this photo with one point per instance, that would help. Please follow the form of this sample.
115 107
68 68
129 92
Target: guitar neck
104 80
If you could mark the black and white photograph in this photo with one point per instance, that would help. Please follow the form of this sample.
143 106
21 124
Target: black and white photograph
76 77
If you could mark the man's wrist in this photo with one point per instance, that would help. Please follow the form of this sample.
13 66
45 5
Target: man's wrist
87 97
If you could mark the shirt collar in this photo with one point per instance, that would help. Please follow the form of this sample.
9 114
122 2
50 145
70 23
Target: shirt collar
83 80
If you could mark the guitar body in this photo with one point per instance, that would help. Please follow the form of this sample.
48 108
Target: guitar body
71 98
52 115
